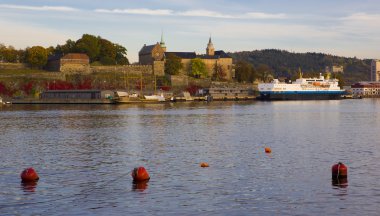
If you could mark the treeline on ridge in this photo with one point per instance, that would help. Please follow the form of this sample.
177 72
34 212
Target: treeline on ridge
280 63
99 50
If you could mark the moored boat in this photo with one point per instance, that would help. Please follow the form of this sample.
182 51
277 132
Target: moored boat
159 98
302 89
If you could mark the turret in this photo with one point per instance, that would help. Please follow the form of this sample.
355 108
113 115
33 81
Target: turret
210 48
162 43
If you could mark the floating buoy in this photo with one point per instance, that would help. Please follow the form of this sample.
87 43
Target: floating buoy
339 171
268 150
140 174
204 164
29 174
340 182
140 186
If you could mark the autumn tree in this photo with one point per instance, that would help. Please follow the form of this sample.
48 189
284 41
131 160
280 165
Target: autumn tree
37 56
173 64
8 54
198 68
219 73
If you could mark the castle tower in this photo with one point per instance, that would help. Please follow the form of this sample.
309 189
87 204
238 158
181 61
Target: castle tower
210 48
162 43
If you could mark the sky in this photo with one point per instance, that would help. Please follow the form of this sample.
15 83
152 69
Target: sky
348 28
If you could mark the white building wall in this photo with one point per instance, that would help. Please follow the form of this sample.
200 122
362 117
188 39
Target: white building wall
375 70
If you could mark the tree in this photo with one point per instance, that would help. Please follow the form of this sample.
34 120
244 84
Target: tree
90 45
9 54
173 64
198 68
245 72
264 72
219 73
37 56
107 54
121 53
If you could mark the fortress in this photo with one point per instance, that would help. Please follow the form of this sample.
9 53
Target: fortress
156 53
151 61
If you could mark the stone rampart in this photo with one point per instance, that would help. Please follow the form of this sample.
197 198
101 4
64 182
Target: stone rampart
13 66
130 69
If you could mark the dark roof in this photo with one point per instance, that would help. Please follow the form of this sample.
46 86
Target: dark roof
55 57
208 56
147 49
184 55
222 54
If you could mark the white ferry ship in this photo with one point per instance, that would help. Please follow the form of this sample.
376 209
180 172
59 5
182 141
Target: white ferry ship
302 89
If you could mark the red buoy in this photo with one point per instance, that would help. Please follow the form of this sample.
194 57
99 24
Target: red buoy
29 174
268 150
339 170
140 174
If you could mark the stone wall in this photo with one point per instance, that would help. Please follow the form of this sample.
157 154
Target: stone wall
75 68
130 69
159 68
13 66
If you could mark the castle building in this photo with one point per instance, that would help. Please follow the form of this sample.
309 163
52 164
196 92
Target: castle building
375 70
157 52
334 69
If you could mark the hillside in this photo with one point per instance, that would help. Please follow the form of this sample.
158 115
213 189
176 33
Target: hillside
287 64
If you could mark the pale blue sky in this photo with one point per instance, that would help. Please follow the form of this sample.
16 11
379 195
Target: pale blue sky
341 27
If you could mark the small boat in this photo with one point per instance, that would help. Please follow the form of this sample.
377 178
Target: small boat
125 97
159 98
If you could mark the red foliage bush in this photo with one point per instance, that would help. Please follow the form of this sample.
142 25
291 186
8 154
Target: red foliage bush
192 89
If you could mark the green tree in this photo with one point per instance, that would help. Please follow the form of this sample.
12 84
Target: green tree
68 47
173 64
107 54
245 72
90 45
340 78
264 72
37 56
219 73
198 68
121 53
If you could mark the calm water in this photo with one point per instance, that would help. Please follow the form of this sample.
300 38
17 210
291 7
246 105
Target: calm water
84 155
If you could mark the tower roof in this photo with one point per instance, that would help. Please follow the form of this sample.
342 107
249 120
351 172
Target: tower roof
162 43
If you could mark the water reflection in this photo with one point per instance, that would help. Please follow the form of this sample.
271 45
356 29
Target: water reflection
340 182
29 186
140 186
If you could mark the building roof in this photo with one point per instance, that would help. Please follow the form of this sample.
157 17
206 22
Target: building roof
222 54
208 56
76 56
184 55
366 85
147 49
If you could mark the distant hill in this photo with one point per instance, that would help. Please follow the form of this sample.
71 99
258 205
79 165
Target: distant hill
287 64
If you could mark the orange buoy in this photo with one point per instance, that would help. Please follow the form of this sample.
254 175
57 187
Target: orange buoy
29 174
204 164
339 170
268 150
140 174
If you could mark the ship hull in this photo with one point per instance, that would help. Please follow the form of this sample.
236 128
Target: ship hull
301 95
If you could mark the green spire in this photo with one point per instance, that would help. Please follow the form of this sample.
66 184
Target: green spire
162 43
